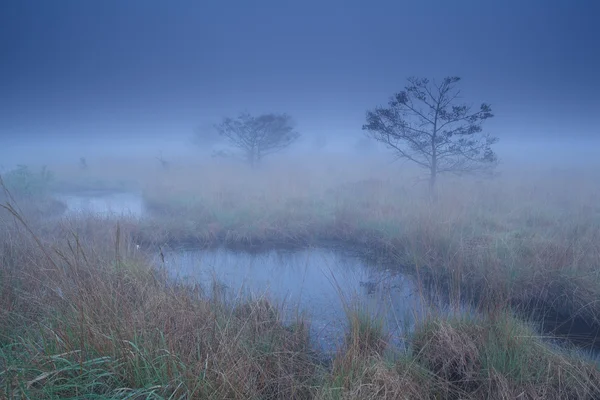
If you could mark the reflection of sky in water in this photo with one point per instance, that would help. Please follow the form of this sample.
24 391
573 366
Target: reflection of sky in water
128 204
315 281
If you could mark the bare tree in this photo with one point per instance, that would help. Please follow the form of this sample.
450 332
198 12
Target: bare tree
259 136
83 163
424 124
163 162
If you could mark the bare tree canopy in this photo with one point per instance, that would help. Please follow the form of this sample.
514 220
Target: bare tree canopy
424 124
259 136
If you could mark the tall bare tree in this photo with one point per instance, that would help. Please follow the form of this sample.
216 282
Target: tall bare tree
424 124
259 136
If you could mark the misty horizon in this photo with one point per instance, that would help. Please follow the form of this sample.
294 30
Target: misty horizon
140 78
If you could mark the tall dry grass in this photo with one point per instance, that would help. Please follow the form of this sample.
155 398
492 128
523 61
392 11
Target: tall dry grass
84 314
527 238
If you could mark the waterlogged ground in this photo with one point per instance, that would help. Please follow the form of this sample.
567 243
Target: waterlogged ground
319 283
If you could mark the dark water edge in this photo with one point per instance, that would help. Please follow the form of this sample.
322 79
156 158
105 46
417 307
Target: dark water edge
567 330
564 332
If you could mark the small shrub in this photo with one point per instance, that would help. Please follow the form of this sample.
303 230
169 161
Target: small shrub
23 182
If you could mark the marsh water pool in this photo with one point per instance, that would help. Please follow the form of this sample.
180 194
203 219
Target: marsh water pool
103 203
320 283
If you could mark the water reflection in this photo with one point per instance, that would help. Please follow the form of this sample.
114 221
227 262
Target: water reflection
320 283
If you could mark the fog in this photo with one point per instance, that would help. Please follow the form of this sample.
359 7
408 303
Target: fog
512 153
140 78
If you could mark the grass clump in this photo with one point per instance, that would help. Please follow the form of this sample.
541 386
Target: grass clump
376 378
500 358
362 369
365 334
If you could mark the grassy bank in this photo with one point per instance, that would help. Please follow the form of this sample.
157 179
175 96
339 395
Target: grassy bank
527 239
83 314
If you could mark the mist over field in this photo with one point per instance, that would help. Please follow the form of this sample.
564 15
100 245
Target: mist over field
299 200
85 79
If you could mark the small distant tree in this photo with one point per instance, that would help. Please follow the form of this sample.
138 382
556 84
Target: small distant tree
163 162
83 163
425 125
259 136
22 181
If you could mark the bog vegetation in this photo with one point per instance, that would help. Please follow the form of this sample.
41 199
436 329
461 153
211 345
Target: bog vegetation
87 311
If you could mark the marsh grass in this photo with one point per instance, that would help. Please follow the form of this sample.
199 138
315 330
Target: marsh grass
526 239
500 358
84 313
84 319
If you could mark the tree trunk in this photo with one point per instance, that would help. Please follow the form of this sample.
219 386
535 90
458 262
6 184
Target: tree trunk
251 158
433 170
432 179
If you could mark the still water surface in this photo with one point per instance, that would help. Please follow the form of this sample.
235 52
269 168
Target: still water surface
319 283
103 204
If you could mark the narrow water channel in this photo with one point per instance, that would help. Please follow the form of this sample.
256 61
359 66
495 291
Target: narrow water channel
103 203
